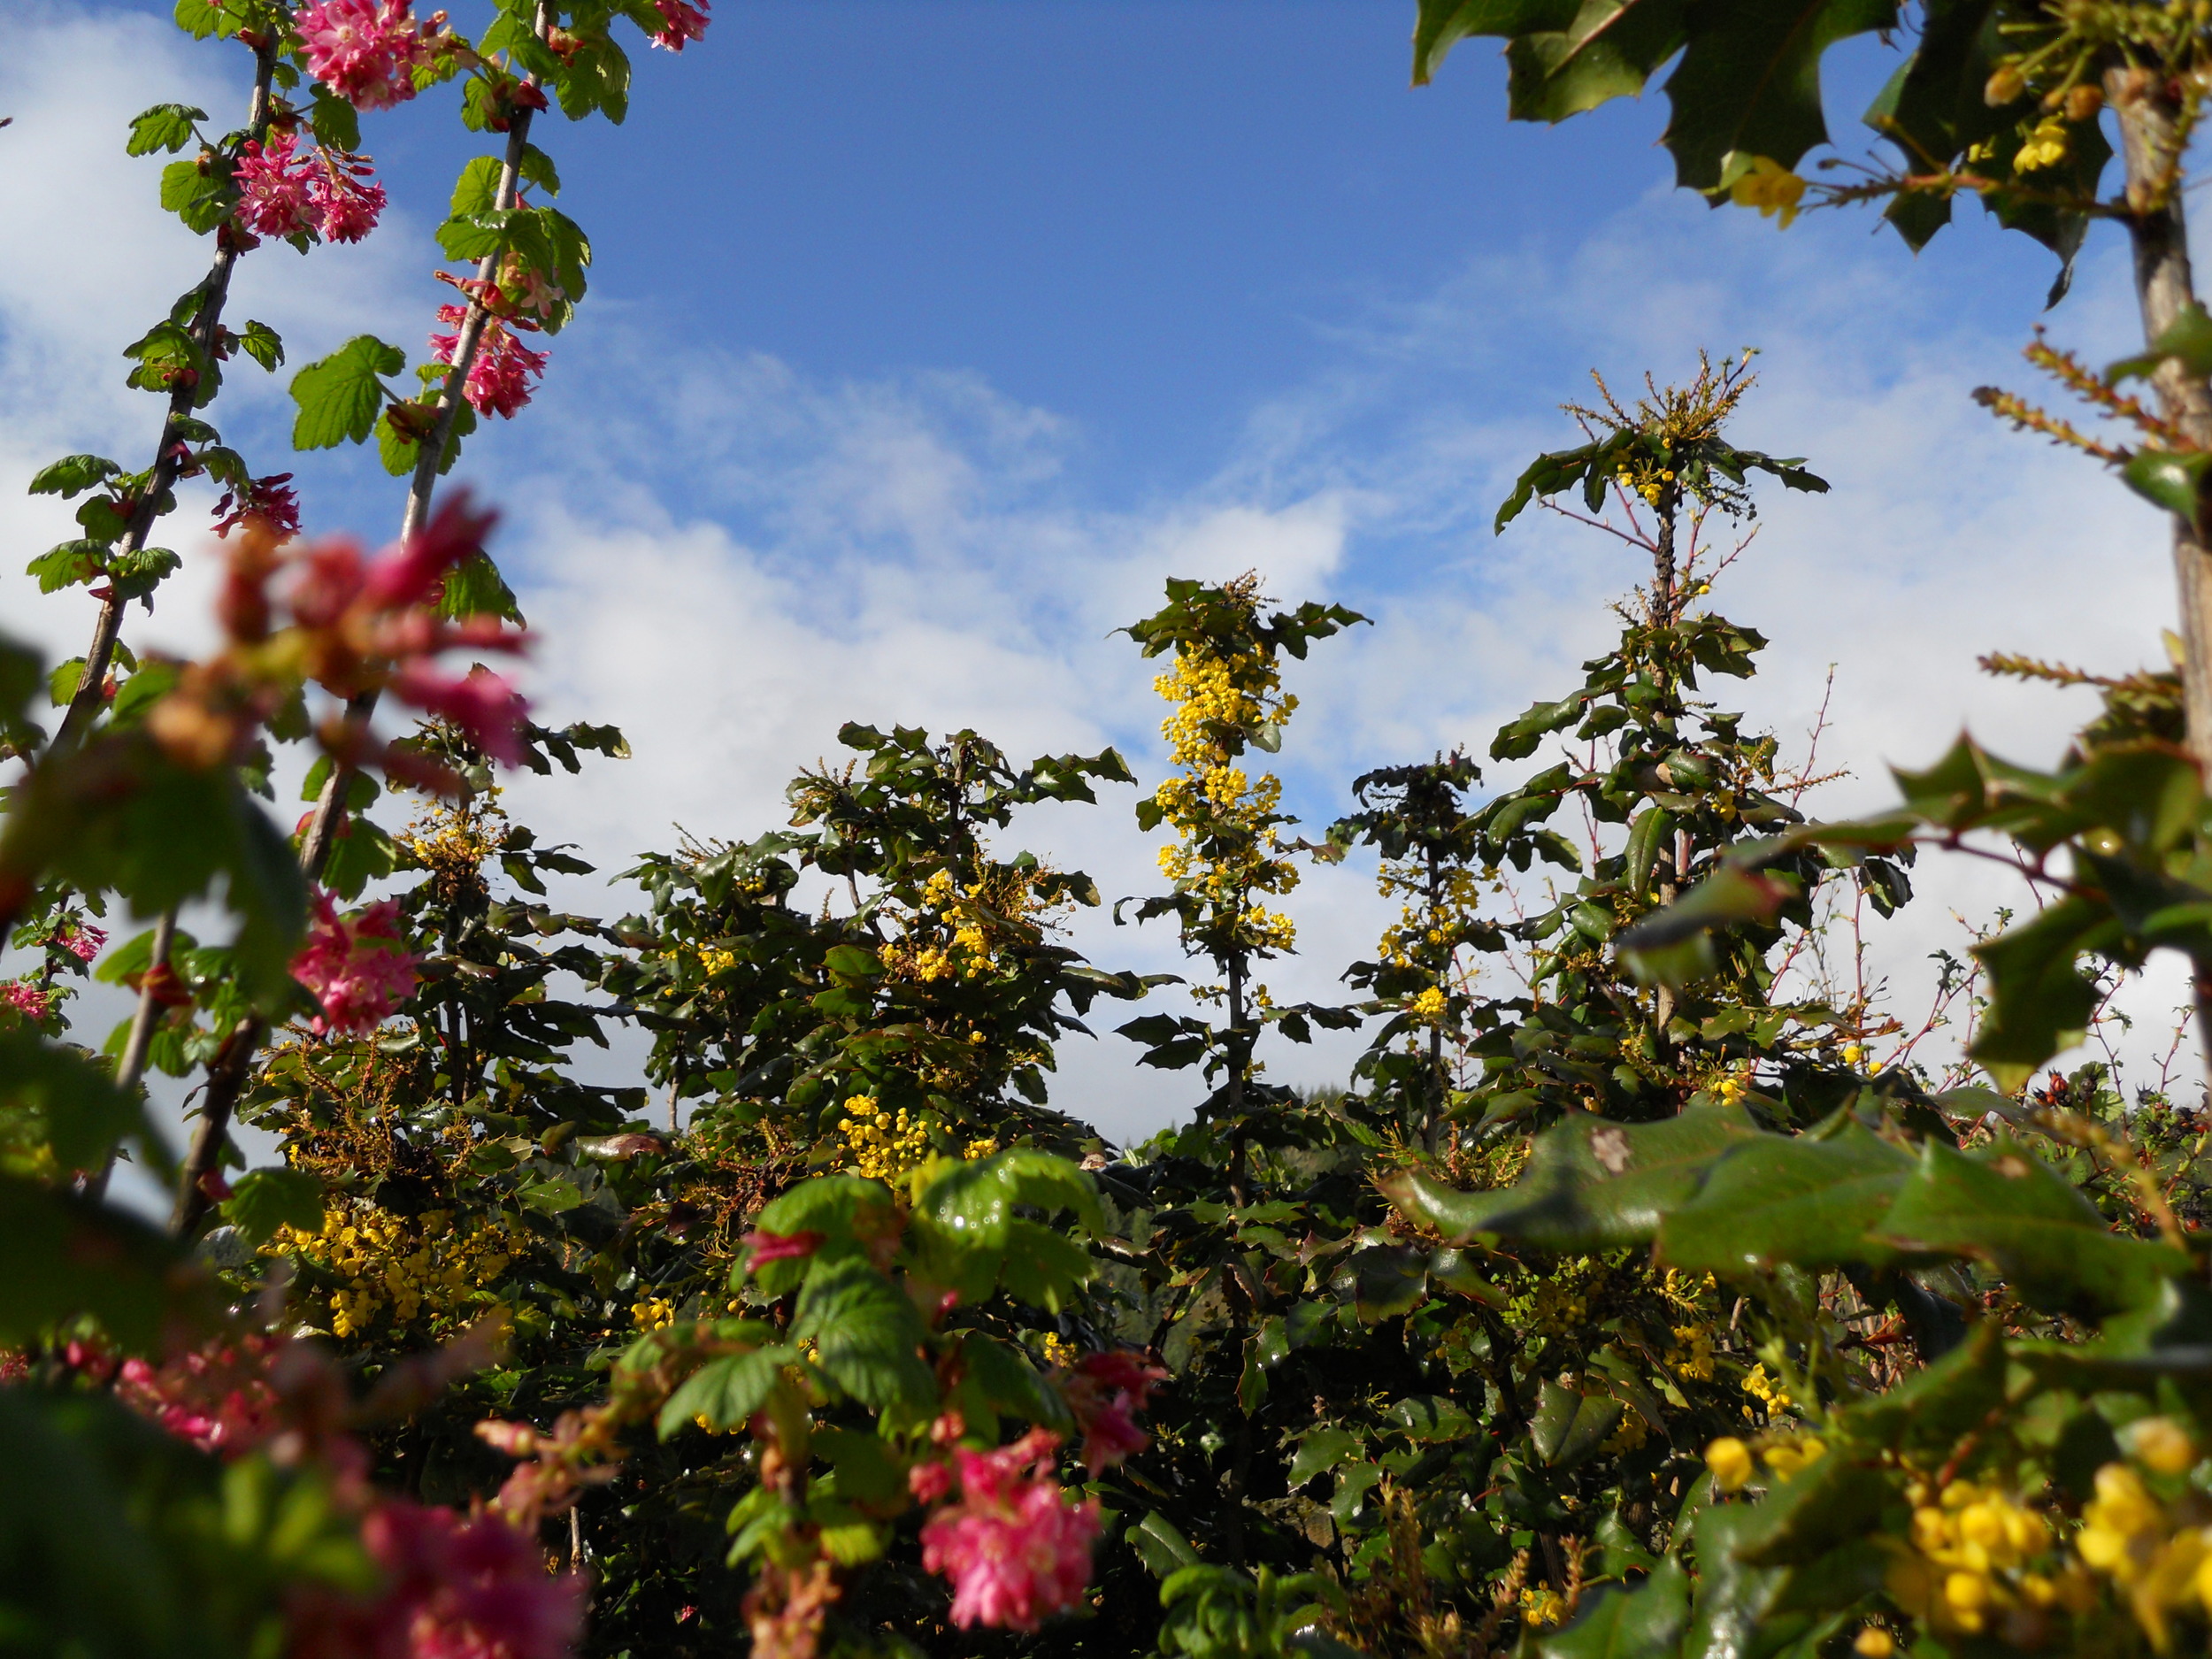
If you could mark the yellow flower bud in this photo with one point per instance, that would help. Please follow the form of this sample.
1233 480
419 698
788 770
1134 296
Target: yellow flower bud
2005 85
2160 1444
1730 1460
2083 102
1874 1642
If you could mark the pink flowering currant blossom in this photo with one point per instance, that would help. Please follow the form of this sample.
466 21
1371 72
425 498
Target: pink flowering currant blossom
274 187
218 1398
326 192
499 376
363 51
346 197
455 1588
1105 1391
682 23
31 1000
777 1247
356 968
272 499
1016 1550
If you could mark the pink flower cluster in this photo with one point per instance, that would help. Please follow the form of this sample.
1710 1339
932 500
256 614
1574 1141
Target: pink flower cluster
456 1587
31 1000
1014 1547
218 1398
355 967
1105 1391
324 192
81 939
356 625
366 52
272 499
682 23
500 374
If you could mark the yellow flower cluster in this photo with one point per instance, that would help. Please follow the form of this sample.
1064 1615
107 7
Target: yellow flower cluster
1970 1566
880 1144
1058 1350
1774 1400
1770 187
1228 848
717 961
1430 1004
2158 1555
1733 1465
649 1313
1691 1359
2046 147
425 1271
1542 1607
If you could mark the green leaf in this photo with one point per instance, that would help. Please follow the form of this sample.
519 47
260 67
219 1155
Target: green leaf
1590 1184
477 189
262 1200
2175 482
1799 1201
1671 947
866 1333
1749 80
845 1210
263 345
2003 1205
68 1258
2039 1002
1622 1624
335 122
726 1391
68 1095
1319 1452
1431 1417
340 396
73 475
167 127
1569 1424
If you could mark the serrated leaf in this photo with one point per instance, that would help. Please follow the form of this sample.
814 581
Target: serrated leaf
262 1200
340 396
167 127
2005 1206
725 1391
1590 1184
866 1334
1782 1200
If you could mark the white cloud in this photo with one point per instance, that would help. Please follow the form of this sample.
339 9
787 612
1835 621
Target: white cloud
728 557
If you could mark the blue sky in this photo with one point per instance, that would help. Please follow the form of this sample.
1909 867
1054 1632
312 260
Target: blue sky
925 335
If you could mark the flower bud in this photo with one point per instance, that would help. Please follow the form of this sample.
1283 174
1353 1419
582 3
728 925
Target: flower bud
2083 102
1730 1460
2005 85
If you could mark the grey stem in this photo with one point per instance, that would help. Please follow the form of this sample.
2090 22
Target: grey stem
227 1073
132 1067
2150 149
315 845
85 703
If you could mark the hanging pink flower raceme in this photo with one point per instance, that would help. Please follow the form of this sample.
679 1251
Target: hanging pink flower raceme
500 374
1016 1550
355 967
218 1397
1105 1391
31 1000
682 23
272 499
274 187
366 52
455 1588
329 193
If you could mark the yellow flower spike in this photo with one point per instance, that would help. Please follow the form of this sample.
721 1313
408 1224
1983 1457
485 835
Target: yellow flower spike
1730 1460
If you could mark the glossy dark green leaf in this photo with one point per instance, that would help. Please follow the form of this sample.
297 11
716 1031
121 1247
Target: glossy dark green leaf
2004 1206
1619 1623
1810 1203
1590 1184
